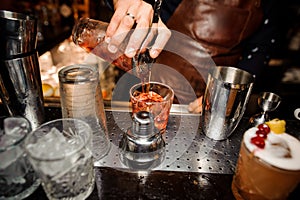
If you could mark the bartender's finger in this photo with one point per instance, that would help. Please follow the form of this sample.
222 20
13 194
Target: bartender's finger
143 22
135 41
163 35
125 24
121 33
116 19
198 109
148 42
196 106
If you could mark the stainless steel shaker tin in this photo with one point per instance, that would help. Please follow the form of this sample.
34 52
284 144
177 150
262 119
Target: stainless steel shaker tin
226 96
21 88
18 34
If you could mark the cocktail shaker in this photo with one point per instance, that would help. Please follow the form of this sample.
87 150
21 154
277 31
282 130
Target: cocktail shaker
225 100
18 34
20 81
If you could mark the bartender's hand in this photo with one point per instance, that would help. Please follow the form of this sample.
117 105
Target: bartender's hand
196 106
139 13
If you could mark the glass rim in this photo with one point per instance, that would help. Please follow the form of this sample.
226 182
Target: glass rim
62 156
16 16
226 74
134 87
64 71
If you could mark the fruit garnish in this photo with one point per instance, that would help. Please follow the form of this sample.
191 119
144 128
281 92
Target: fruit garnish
258 141
261 134
277 126
56 92
264 128
47 90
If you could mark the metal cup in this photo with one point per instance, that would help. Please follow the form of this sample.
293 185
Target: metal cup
18 34
226 96
21 88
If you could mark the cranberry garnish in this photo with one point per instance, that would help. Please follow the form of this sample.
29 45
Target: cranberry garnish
258 141
261 134
264 128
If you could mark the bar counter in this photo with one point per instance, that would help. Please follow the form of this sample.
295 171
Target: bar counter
195 167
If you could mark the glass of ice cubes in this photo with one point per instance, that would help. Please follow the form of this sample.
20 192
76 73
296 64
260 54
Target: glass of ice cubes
17 177
61 154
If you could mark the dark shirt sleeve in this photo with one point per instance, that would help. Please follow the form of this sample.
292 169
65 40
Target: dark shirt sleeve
167 9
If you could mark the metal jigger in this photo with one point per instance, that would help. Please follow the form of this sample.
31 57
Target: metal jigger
268 102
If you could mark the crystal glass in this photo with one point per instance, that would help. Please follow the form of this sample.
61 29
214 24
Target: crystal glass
17 177
61 154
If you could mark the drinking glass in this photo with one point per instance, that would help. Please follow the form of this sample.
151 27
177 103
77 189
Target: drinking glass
17 177
81 98
61 154
153 97
263 175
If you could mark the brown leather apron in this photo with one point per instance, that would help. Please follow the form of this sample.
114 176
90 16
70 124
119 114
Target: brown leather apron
217 26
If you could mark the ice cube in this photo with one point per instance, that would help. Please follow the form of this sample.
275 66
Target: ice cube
9 155
6 160
16 127
53 136
14 130
48 146
54 145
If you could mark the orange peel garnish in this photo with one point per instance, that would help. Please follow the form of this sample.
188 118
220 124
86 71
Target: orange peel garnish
277 126
47 90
